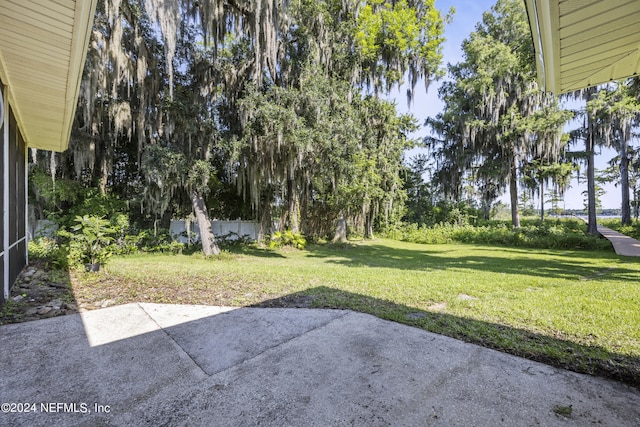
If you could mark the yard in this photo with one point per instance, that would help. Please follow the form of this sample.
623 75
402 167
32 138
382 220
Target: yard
572 309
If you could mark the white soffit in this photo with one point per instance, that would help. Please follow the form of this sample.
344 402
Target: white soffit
582 43
43 45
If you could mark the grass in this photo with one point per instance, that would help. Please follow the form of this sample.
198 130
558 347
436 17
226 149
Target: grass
563 411
568 308
11 310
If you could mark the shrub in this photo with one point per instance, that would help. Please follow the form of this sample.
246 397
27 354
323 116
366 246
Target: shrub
287 238
233 240
560 234
150 242
42 248
47 249
91 241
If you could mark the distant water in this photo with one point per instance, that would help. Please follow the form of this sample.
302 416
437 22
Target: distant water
598 216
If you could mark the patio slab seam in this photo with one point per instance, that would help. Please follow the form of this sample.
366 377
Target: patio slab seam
175 343
279 344
339 315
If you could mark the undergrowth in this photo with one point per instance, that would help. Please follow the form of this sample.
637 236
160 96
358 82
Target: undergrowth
550 234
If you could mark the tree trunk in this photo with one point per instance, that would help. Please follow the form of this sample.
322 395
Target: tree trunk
542 201
368 221
368 226
486 211
513 191
636 202
104 176
341 230
293 206
209 245
366 218
266 223
592 224
165 220
624 183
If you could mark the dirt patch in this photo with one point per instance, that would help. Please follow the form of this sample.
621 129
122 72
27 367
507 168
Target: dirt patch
39 293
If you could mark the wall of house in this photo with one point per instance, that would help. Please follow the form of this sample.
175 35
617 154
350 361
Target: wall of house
13 233
2 187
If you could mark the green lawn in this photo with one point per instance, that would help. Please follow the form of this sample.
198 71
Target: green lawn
574 309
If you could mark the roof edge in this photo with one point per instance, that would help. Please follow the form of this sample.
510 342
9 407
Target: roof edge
82 26
545 33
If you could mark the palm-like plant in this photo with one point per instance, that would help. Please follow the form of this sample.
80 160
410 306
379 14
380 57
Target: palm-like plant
93 238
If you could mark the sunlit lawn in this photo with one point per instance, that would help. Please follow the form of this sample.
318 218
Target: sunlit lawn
574 309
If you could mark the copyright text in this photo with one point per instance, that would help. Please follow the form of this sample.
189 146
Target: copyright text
54 407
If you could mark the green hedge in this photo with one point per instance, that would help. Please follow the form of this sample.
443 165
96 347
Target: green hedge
554 234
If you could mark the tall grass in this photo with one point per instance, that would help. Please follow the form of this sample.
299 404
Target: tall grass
553 234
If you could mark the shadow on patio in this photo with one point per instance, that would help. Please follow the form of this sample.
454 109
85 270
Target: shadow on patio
550 350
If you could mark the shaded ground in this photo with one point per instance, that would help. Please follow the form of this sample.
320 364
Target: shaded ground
39 293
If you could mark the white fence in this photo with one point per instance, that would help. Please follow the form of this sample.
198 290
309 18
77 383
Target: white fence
42 228
181 229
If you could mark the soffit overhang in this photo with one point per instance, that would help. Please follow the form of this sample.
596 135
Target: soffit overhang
583 43
43 45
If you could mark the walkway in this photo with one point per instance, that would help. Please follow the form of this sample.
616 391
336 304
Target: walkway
623 245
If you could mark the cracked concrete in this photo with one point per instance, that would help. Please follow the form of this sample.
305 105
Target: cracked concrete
155 364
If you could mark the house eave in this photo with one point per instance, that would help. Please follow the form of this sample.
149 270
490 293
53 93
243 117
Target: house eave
545 40
584 43
43 70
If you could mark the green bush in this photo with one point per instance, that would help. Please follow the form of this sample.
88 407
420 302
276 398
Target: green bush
42 248
48 250
233 240
148 241
90 240
287 238
560 234
172 247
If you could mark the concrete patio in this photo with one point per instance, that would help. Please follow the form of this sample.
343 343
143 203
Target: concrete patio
150 364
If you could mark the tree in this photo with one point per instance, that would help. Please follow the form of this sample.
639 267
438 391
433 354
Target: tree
600 178
634 181
612 174
380 160
292 130
588 134
397 38
313 150
616 108
135 70
555 198
421 194
607 119
182 100
538 172
495 116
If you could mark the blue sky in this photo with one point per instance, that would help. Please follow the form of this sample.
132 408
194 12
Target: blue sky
426 104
